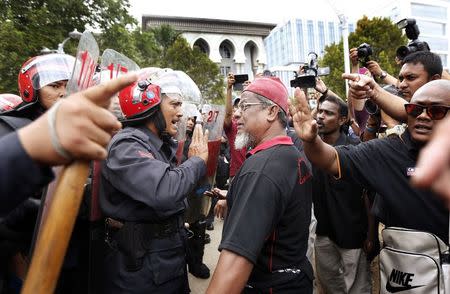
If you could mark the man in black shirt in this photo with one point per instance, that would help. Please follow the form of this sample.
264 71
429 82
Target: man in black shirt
265 235
339 206
386 165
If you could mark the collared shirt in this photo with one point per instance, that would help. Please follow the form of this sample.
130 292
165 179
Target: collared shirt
270 210
339 206
385 166
140 180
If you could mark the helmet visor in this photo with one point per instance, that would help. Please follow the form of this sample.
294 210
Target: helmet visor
50 68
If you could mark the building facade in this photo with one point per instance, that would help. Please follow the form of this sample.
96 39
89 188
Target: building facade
235 46
289 44
432 18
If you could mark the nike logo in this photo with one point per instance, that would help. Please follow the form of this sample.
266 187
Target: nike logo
395 289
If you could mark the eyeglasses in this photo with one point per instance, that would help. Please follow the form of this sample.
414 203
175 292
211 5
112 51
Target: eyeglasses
435 112
243 106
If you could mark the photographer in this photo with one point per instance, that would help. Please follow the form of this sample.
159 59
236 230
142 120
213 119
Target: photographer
418 69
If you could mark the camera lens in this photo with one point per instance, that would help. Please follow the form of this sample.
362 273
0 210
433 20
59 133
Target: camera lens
362 53
371 107
402 51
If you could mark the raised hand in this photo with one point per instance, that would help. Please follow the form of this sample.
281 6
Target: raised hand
304 124
199 143
360 86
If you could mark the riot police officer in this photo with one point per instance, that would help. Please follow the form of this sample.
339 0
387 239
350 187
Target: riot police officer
143 191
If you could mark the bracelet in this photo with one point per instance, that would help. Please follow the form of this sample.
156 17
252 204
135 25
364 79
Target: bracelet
383 75
51 118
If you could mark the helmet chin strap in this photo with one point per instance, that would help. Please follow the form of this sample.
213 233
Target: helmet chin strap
160 124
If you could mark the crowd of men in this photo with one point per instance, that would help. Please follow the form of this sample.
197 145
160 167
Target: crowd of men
290 166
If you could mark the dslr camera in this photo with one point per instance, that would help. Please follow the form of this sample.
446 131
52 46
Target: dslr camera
412 33
311 71
364 53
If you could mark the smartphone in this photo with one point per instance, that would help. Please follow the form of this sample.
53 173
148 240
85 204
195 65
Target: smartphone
239 79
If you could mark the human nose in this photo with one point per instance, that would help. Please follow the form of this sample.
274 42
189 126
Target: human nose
237 113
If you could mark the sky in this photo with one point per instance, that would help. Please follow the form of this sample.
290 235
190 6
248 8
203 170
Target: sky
258 11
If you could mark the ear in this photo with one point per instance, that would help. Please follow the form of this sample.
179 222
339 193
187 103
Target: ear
273 112
436 77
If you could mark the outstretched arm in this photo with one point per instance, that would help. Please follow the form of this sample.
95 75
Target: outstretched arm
362 87
318 152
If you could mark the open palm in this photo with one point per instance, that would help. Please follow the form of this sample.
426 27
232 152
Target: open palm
304 124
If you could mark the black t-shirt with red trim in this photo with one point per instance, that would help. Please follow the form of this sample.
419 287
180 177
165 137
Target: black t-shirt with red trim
269 212
385 166
339 206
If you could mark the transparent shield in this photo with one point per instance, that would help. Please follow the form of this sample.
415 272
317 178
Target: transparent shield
213 122
112 65
85 64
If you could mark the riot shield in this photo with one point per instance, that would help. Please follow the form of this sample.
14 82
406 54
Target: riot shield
213 122
61 207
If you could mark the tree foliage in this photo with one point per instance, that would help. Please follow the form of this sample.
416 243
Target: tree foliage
384 38
26 26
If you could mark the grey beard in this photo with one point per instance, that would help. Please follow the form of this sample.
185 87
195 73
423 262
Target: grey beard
243 140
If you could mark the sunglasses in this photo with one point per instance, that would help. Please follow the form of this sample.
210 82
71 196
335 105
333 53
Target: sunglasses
435 112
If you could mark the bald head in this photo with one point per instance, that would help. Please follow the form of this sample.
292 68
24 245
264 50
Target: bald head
438 91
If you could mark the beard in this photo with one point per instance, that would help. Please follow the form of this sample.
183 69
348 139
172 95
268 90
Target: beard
243 140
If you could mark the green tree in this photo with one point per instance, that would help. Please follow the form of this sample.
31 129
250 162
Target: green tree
28 26
199 67
384 38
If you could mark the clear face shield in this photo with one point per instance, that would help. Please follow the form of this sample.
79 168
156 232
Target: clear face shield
48 69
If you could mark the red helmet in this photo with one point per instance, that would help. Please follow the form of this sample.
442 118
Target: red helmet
139 98
9 102
40 71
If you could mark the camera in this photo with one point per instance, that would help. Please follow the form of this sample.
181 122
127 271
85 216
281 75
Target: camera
311 71
412 32
364 53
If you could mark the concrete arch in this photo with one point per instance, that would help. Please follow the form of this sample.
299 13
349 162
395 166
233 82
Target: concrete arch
203 45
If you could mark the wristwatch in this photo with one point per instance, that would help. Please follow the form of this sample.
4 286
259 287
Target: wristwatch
383 75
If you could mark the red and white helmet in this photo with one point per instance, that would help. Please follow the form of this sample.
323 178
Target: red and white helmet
42 70
9 102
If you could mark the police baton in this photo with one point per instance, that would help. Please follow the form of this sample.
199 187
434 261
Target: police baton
59 219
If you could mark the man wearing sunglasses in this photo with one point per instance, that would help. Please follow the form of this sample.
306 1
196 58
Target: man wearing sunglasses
386 165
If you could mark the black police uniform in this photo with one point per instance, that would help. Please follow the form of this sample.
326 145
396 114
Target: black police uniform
142 187
21 176
269 215
385 166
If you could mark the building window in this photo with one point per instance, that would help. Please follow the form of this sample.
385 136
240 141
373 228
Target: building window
301 49
430 11
321 28
431 28
331 35
436 44
310 27
351 28
224 70
225 50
